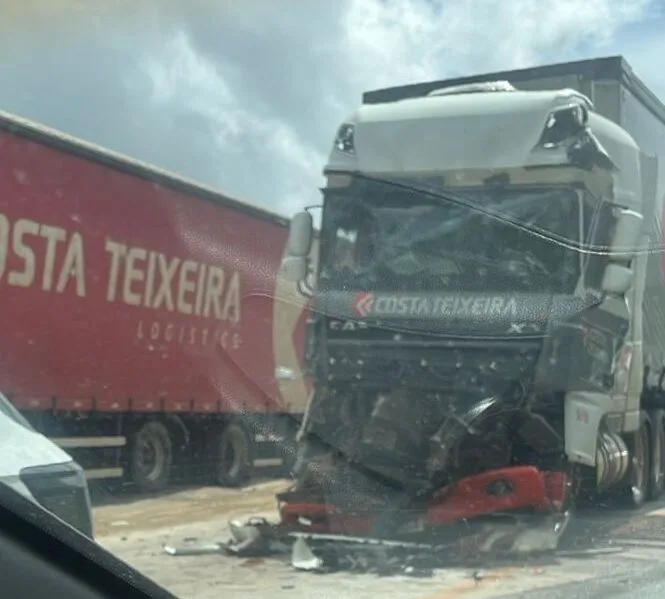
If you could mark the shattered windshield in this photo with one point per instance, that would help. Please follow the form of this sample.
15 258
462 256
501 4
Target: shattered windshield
381 237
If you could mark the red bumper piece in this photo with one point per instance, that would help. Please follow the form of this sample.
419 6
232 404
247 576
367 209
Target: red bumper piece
502 490
322 518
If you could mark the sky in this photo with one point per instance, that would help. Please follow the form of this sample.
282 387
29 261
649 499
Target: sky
246 96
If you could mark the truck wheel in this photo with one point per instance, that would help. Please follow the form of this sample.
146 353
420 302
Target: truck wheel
234 463
151 457
657 470
636 487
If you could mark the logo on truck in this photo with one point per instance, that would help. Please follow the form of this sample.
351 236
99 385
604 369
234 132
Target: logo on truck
363 303
428 306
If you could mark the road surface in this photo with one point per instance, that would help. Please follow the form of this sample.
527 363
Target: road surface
614 552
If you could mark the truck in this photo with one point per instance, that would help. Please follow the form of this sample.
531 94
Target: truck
487 334
148 331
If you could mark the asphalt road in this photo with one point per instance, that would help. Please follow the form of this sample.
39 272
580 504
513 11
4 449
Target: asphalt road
608 553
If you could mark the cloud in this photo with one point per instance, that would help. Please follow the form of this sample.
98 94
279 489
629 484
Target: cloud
246 97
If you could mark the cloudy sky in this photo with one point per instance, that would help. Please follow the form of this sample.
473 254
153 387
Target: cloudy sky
246 96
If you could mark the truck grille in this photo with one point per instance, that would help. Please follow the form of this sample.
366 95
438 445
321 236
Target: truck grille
485 366
62 490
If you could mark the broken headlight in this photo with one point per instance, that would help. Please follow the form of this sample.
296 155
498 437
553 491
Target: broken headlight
564 124
344 140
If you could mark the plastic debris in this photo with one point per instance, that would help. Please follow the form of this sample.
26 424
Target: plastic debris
303 558
251 539
206 549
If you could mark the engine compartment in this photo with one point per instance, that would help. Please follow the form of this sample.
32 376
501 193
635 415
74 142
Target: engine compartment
401 447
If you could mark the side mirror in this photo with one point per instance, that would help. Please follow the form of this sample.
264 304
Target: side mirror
626 235
617 279
300 235
295 268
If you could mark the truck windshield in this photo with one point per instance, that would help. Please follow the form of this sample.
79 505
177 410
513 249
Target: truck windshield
382 237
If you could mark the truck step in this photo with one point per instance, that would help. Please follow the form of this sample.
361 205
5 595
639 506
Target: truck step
102 473
81 442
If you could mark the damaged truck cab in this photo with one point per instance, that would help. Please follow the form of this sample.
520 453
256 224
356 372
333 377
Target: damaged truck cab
476 337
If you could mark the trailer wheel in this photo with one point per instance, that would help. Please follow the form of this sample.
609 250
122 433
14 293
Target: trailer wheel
151 457
657 470
636 487
234 464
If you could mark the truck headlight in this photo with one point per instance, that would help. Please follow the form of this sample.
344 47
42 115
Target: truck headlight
344 140
61 489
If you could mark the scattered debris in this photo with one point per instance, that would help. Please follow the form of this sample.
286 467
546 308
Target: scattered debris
120 523
303 558
206 549
330 553
255 538
478 576
322 553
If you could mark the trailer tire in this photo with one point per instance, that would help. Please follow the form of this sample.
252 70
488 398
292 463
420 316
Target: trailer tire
151 456
235 455
657 463
636 486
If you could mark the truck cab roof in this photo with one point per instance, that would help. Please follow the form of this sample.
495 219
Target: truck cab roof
492 131
576 74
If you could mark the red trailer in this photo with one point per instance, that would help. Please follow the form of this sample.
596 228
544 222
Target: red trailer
146 324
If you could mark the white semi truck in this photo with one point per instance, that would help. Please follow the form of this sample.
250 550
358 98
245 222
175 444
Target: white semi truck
488 324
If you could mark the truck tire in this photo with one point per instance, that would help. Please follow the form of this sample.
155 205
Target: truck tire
657 464
235 455
635 489
151 456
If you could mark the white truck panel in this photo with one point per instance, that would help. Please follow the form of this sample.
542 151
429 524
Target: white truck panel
621 97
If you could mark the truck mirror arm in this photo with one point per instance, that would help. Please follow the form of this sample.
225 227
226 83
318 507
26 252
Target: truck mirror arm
305 289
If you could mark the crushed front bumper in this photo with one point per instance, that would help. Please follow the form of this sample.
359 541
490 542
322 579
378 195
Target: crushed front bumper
517 488
502 512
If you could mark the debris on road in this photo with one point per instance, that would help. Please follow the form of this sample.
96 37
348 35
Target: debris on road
206 549
303 558
324 552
